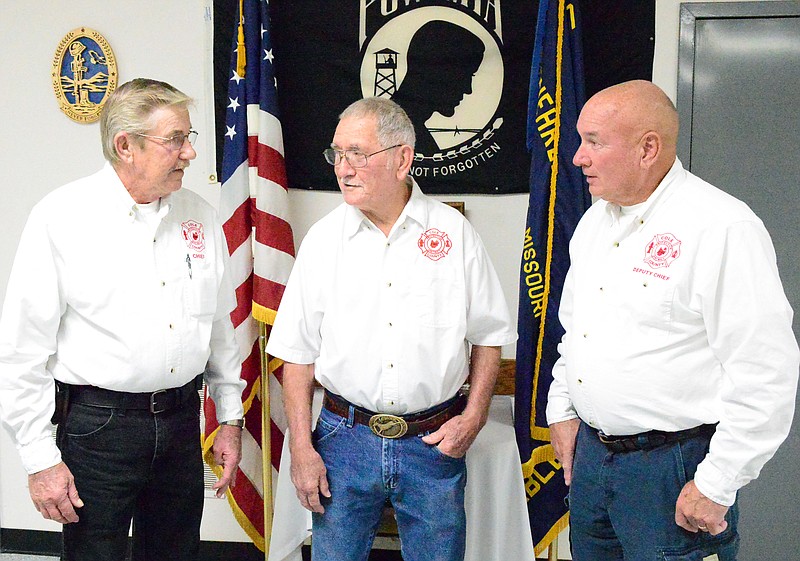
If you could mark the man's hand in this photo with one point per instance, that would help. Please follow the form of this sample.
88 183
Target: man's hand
455 436
227 453
309 478
694 511
563 436
308 470
54 494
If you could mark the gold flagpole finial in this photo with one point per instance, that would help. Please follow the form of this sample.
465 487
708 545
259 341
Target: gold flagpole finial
241 51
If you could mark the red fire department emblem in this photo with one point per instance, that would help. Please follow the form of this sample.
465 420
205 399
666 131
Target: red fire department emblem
434 244
662 250
193 235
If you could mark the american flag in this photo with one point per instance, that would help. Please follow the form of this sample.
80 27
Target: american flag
254 208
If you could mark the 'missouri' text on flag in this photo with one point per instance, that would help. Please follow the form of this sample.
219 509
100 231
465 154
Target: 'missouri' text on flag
558 198
254 210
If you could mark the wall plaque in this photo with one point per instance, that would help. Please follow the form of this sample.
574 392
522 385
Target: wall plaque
84 74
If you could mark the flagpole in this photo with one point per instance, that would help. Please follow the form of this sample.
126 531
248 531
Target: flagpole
266 437
552 550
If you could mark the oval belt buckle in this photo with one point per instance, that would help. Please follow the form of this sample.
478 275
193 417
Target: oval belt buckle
388 426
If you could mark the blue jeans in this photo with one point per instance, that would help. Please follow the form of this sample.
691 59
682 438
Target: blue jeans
425 487
133 465
622 505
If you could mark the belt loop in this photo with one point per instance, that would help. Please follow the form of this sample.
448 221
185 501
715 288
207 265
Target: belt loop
351 416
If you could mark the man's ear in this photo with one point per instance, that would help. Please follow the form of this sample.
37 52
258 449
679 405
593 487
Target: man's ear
406 159
123 146
651 146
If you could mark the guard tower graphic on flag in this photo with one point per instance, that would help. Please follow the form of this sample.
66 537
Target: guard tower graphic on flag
385 72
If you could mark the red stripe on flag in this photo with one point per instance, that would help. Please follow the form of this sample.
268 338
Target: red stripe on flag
276 444
273 231
249 501
251 368
238 227
252 420
267 293
269 161
244 299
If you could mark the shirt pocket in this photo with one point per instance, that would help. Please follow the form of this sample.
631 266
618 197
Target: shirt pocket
201 294
438 301
648 301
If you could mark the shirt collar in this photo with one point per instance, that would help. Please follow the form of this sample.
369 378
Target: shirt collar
121 198
663 192
415 208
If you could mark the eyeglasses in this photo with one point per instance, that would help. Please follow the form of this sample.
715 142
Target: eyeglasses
354 157
173 142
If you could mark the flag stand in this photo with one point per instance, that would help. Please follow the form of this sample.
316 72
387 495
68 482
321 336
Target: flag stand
266 437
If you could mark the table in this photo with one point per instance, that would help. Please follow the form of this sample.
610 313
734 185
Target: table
497 516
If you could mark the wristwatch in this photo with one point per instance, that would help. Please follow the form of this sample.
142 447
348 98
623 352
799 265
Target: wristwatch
234 423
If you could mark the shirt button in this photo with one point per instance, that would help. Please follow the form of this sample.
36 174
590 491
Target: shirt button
170 326
172 371
389 284
390 324
616 244
390 365
580 381
585 335
163 283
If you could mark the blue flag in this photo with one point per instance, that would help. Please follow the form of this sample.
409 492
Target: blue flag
558 198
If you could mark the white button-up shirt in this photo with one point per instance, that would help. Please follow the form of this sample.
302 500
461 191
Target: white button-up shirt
387 321
107 294
675 316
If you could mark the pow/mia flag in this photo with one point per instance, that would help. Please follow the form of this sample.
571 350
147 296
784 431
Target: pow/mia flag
460 69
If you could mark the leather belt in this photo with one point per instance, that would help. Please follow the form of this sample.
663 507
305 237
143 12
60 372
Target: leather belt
397 426
156 402
652 439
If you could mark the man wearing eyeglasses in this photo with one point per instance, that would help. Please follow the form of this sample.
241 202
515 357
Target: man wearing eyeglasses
118 297
387 295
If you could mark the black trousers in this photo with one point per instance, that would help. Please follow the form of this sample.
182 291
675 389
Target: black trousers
132 465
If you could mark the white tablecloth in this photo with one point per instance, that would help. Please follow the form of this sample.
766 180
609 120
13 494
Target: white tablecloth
497 517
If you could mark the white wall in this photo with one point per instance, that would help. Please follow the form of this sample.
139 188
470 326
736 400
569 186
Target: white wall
41 149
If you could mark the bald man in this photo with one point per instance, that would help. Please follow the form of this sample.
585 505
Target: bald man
678 368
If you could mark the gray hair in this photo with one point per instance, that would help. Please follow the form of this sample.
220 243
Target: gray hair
392 124
130 107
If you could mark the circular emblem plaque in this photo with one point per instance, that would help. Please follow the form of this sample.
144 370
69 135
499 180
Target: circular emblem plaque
84 74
